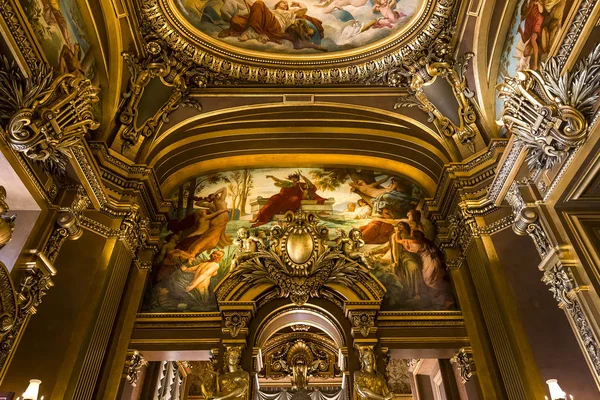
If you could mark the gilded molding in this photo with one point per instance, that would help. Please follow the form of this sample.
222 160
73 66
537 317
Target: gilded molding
133 365
581 18
34 285
229 67
563 286
526 220
46 115
15 26
159 62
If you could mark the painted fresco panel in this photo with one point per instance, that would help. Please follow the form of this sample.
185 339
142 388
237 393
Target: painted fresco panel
308 26
59 28
535 28
200 239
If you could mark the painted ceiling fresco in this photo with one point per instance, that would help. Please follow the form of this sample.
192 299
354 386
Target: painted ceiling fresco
307 26
200 239
536 28
59 27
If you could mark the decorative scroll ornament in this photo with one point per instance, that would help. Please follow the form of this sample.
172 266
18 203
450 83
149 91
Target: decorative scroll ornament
45 116
133 364
526 221
421 70
363 320
300 261
236 320
465 364
159 62
7 224
549 111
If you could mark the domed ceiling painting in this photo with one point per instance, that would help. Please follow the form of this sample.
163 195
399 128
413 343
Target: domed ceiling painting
217 215
297 27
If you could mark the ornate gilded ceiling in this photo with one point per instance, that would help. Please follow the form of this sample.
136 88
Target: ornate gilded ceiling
350 48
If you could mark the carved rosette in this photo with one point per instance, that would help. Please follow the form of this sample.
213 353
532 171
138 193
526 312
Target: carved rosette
363 321
464 363
45 115
549 111
133 364
236 320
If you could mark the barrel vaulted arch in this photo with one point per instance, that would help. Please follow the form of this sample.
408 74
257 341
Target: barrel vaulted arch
290 135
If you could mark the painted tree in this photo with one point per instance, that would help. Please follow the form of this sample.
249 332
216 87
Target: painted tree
240 185
247 186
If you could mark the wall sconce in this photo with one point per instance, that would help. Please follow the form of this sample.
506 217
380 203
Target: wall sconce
556 393
33 390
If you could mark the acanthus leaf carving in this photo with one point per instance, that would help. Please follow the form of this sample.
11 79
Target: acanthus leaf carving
301 269
236 320
46 115
548 111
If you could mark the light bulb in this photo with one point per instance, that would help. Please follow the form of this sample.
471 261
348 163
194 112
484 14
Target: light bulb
556 393
32 390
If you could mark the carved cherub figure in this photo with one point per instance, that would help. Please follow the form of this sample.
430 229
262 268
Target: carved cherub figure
350 244
248 244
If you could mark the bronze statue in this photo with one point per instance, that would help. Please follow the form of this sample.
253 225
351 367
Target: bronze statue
368 383
234 384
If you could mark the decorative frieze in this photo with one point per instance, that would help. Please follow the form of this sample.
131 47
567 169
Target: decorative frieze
563 287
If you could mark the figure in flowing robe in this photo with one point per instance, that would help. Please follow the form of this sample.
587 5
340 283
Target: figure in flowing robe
204 231
434 274
407 264
266 25
289 198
